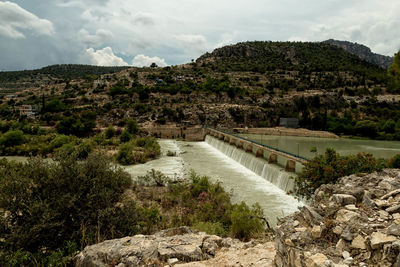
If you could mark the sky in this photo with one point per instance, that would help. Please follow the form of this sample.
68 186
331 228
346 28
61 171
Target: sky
38 33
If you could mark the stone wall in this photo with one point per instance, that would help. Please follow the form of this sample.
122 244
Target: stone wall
355 222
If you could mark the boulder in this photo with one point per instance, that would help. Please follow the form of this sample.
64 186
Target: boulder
379 239
346 215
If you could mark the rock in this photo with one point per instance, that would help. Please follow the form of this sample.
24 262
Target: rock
351 207
296 223
173 261
358 242
300 229
394 229
345 254
343 199
345 215
381 203
316 231
392 193
348 261
379 239
383 214
346 234
396 216
340 245
317 260
311 215
337 230
393 209
367 201
161 247
261 255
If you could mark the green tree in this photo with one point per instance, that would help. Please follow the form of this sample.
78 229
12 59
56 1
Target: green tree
394 71
12 138
132 126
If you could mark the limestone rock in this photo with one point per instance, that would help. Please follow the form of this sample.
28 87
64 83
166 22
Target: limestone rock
317 260
393 209
379 239
394 229
316 231
343 199
358 242
346 215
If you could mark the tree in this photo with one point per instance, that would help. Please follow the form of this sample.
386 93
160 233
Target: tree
153 65
394 72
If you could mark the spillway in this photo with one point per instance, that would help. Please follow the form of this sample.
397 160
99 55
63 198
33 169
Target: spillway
270 172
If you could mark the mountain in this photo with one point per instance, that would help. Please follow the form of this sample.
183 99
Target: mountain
362 52
305 57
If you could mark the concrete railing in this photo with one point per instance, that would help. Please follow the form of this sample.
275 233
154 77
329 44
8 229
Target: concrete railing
291 162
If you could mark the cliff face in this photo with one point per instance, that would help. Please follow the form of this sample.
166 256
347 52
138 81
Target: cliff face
363 52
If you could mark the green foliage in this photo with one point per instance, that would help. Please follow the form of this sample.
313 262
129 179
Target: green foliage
394 73
110 132
394 162
132 127
246 222
329 167
212 228
59 141
138 150
48 203
12 138
125 136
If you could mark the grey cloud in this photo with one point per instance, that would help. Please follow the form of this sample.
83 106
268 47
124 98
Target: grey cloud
15 21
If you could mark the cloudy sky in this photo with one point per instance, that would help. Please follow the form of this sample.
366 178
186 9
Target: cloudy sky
38 33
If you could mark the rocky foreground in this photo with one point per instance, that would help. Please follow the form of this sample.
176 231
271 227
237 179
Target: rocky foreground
355 222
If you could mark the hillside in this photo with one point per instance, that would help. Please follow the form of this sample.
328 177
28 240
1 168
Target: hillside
363 52
248 84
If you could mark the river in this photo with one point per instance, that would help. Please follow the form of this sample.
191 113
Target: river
205 159
302 145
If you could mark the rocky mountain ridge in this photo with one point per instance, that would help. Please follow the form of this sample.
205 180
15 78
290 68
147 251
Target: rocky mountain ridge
363 52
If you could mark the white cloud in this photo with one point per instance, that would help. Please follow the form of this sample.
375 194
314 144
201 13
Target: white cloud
104 57
14 20
102 36
145 61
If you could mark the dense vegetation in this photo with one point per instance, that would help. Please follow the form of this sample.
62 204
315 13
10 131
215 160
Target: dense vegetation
66 71
329 167
51 209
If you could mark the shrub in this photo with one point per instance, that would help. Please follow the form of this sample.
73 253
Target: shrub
59 140
246 221
50 203
153 177
211 228
132 126
125 154
394 162
110 132
12 138
328 168
125 136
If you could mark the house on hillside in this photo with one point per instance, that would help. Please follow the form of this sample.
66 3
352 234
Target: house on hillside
289 122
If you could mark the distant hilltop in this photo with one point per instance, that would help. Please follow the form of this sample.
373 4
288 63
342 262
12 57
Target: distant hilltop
363 52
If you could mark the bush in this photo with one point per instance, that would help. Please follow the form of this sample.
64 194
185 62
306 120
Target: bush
247 222
394 162
50 203
59 141
110 132
132 126
153 177
125 137
12 138
328 168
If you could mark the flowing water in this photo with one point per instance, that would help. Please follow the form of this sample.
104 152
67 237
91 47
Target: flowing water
245 184
302 145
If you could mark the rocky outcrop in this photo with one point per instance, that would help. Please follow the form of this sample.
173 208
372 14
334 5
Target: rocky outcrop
176 247
355 222
363 52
